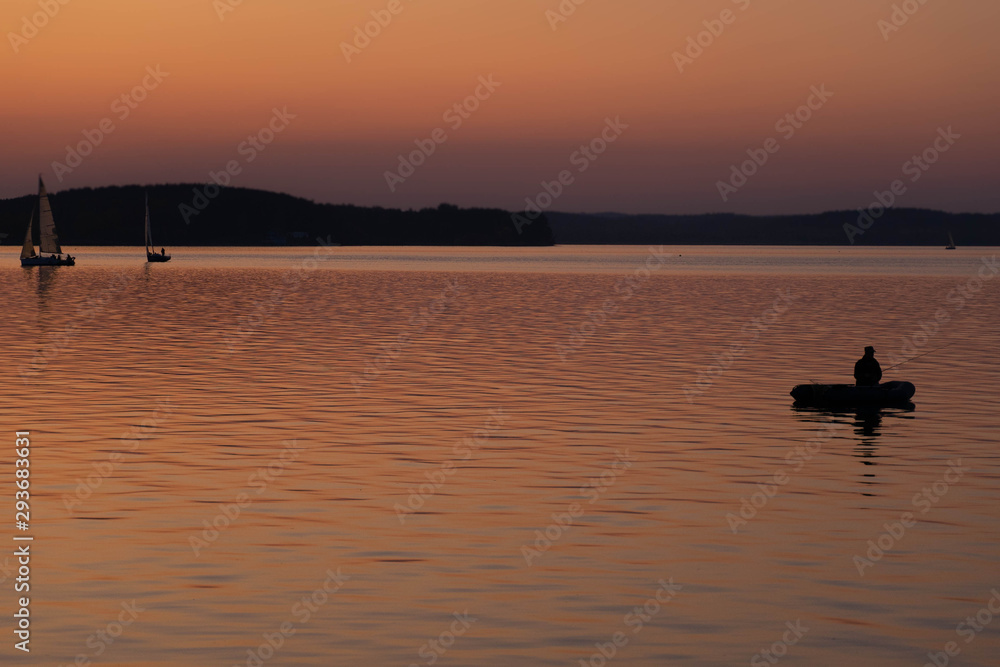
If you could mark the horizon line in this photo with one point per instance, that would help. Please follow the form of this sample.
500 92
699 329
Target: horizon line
861 209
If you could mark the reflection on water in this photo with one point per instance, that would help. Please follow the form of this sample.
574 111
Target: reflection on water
42 278
866 420
201 447
868 424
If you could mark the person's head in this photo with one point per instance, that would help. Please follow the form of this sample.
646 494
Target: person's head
869 351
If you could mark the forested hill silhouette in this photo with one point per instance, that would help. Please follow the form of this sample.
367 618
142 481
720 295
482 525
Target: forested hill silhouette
242 217
896 226
183 215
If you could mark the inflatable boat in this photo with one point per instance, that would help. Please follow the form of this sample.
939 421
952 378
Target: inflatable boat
887 393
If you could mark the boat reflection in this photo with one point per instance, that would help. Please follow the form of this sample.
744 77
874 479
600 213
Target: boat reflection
868 423
41 280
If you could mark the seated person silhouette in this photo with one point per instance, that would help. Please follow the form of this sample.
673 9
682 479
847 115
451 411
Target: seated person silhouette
867 372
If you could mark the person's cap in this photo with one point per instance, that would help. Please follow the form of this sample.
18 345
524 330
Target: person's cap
870 349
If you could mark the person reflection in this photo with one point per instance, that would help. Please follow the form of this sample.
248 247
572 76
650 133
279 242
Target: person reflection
868 422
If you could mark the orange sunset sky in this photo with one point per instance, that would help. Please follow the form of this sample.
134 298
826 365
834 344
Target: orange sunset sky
231 64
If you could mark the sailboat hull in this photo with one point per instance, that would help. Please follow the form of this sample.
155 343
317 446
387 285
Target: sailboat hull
156 257
48 261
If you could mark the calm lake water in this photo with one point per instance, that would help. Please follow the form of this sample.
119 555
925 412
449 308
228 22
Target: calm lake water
495 456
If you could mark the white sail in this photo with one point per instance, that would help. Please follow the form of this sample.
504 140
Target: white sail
149 232
50 240
28 249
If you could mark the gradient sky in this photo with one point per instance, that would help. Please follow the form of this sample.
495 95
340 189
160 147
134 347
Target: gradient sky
609 59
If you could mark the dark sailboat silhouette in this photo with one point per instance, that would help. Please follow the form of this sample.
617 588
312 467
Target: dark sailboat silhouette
151 254
49 239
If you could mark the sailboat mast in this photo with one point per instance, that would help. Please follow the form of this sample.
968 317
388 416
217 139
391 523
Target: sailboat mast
149 232
49 241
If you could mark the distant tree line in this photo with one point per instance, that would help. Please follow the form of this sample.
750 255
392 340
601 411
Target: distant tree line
199 215
187 215
896 226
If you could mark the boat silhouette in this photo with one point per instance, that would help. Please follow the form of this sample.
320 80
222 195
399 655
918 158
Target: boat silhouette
885 394
49 238
151 254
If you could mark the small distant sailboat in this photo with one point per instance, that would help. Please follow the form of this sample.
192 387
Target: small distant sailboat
951 243
49 241
151 254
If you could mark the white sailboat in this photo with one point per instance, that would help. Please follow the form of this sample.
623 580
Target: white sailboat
951 243
49 241
151 254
